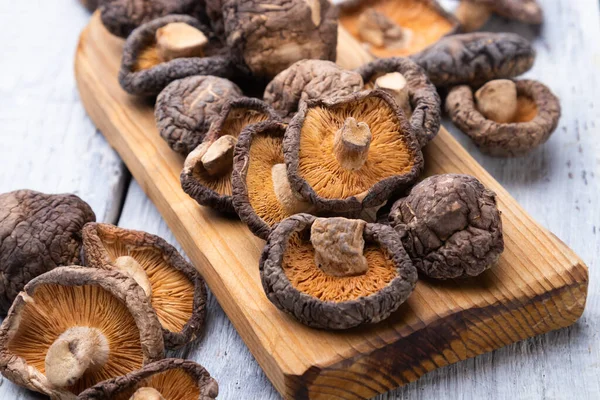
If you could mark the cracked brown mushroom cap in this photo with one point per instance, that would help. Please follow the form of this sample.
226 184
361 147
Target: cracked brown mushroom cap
473 14
350 154
418 95
537 115
450 226
309 80
171 378
476 58
186 109
392 28
206 175
295 281
73 327
262 195
268 37
170 48
38 232
175 289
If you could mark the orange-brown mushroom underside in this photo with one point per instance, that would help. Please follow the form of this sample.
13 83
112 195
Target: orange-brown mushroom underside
147 58
57 308
173 384
526 109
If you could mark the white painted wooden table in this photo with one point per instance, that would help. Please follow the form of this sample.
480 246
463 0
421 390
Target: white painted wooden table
47 143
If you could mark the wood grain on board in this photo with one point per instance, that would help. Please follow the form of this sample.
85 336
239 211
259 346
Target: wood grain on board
539 284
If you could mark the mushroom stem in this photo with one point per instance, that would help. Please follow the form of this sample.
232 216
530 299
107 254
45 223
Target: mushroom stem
218 158
291 202
378 30
315 11
178 39
339 246
497 100
472 15
351 144
74 352
147 393
395 84
130 267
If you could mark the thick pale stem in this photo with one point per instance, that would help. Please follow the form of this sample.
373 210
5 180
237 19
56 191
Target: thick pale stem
218 158
339 246
76 351
497 100
130 267
178 39
147 393
472 15
351 144
315 11
291 202
395 84
378 30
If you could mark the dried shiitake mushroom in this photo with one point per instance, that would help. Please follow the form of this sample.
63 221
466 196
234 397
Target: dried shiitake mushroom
269 36
473 14
38 232
121 17
450 226
336 273
206 174
171 48
476 58
186 108
165 379
412 90
353 153
262 195
91 5
73 327
396 27
505 117
174 288
309 80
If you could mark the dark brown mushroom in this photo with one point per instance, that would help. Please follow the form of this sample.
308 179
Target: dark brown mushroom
38 232
336 273
171 48
392 28
412 90
450 226
499 129
268 37
476 58
309 80
73 327
171 378
353 153
90 5
121 17
175 289
206 175
186 108
473 14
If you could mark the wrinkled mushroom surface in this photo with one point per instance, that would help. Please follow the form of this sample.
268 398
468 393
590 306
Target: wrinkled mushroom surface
38 232
172 378
396 27
46 341
537 116
145 70
450 226
294 283
206 175
186 108
476 58
178 292
473 14
332 162
309 80
423 98
268 37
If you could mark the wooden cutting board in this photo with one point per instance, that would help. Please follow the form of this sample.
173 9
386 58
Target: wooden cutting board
539 284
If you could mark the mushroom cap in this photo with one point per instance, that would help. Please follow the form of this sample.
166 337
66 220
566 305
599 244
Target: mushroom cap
351 309
394 159
476 58
450 226
537 117
150 80
216 192
70 296
424 98
178 290
173 378
186 108
527 11
309 80
38 232
268 37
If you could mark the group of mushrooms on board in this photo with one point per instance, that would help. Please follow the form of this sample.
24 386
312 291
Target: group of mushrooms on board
323 163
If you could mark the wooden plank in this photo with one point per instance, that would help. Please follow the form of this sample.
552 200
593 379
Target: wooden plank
538 286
